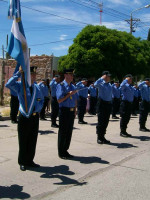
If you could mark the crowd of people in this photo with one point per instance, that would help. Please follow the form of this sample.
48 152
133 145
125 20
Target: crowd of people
104 97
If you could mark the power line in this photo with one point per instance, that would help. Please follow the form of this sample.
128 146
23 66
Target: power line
48 13
51 42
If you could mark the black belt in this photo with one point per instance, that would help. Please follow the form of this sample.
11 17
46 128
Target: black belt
105 102
68 109
129 102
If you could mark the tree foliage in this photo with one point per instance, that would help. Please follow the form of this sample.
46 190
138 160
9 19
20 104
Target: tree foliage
97 48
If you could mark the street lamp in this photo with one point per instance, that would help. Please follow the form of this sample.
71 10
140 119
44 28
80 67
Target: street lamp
131 19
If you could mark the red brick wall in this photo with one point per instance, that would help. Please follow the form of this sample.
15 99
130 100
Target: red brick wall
43 64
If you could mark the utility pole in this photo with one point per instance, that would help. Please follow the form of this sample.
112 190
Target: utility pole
132 22
2 79
101 10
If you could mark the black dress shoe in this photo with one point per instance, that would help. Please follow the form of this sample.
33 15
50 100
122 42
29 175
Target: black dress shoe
63 157
144 129
103 141
22 168
115 117
14 121
43 119
68 155
33 165
55 125
125 134
82 122
106 141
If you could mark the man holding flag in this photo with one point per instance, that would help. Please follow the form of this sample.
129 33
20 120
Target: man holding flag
29 94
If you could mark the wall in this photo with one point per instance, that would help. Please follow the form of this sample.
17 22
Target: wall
43 63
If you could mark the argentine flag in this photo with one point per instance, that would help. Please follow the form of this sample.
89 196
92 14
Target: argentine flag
14 9
18 49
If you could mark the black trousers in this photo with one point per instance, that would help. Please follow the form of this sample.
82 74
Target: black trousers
115 106
93 102
81 108
144 110
66 122
125 113
42 113
55 109
135 105
14 106
27 137
104 111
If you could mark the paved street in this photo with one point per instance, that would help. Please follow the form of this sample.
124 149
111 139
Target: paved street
119 171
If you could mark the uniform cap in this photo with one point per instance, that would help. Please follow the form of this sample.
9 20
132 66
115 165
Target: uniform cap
33 69
84 79
128 76
68 71
57 75
107 73
116 81
147 79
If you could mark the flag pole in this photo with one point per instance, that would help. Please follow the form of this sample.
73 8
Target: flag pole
24 90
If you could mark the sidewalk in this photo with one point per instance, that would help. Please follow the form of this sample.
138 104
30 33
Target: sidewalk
55 177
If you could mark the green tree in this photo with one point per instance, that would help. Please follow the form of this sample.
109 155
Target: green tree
97 48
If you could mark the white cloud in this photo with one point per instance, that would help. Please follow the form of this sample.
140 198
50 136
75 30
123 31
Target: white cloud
60 47
75 15
120 2
119 25
125 2
62 37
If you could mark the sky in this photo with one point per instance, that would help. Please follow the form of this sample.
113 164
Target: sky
51 25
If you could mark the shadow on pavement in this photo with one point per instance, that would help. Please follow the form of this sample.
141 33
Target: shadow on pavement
123 145
89 116
46 132
89 160
4 126
93 124
76 128
114 120
13 192
142 138
58 172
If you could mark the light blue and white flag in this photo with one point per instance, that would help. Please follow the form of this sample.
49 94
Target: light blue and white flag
14 10
18 49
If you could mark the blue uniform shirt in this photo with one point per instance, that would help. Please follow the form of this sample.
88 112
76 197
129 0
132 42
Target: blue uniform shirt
43 89
104 89
92 91
145 91
116 93
62 90
127 91
53 85
34 101
14 93
136 92
84 89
